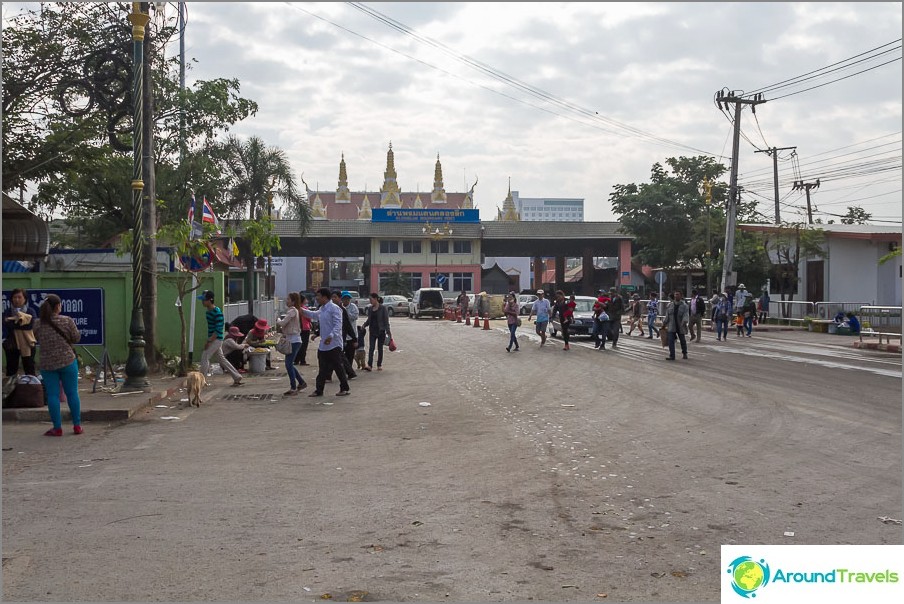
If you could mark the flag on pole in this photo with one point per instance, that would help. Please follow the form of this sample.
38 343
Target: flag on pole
209 216
233 248
196 230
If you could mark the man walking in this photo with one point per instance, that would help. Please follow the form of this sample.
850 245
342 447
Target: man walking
329 349
541 307
697 310
214 346
676 318
349 330
652 313
616 309
463 302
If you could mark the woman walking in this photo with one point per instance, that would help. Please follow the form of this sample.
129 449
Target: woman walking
652 312
302 357
378 321
720 317
56 334
291 328
511 316
560 307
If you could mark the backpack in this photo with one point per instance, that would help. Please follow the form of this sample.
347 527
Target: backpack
701 305
616 305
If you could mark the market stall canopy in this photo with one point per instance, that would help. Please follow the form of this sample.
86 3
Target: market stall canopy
25 235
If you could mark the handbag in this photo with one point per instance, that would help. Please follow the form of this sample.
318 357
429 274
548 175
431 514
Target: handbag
392 345
283 346
519 322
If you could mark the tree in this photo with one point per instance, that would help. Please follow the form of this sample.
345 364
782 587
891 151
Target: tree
856 215
668 215
255 174
396 283
787 245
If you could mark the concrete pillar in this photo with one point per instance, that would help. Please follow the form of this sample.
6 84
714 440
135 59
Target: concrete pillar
587 271
624 263
560 272
539 269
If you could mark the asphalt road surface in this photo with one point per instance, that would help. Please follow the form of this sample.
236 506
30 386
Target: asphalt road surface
542 474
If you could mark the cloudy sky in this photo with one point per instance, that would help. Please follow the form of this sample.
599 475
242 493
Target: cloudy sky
567 99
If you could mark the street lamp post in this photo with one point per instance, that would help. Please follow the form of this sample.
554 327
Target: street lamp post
136 365
436 234
708 196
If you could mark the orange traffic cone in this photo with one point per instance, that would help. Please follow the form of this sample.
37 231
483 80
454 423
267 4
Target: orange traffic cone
486 323
477 320
468 319
457 315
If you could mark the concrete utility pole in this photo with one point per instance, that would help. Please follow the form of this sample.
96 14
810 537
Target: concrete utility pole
798 185
729 97
774 153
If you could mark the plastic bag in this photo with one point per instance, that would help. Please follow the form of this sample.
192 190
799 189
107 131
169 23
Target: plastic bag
392 345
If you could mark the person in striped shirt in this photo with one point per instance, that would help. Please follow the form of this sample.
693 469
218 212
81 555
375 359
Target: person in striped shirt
214 346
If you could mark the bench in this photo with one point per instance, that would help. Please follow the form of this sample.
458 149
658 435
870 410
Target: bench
888 335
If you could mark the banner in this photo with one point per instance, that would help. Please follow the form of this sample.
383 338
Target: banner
85 306
432 215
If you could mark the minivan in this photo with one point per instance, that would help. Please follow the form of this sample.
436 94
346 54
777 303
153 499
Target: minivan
426 302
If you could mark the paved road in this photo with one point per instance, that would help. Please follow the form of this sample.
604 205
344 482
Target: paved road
541 474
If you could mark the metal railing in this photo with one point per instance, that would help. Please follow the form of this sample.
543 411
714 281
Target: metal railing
263 309
791 310
828 310
880 321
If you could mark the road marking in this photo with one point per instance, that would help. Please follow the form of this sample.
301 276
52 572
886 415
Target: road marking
821 362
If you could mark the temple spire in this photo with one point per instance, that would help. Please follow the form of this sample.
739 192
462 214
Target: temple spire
509 212
439 193
343 195
389 192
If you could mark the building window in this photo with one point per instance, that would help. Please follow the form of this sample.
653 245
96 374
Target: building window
411 247
415 282
439 247
389 247
461 247
461 282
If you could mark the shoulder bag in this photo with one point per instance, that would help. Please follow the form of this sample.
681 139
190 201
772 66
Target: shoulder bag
62 335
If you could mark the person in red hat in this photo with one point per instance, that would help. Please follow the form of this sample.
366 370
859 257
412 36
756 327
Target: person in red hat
257 335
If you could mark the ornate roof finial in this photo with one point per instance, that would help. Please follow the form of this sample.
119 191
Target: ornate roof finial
439 193
343 195
509 212
389 192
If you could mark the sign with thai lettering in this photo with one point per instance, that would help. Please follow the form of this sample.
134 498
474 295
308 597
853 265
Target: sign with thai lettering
432 215
85 306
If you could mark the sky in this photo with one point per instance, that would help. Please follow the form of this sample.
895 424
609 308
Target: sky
568 99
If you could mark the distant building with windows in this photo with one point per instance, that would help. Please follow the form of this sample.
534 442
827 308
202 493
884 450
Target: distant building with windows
560 209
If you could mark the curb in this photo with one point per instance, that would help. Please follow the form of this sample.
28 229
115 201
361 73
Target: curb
40 414
894 348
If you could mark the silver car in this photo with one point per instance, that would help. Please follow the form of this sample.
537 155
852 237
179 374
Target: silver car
396 305
525 303
583 318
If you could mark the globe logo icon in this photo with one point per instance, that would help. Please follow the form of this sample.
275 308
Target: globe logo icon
748 575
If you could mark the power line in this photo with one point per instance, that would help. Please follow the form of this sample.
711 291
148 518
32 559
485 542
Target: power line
836 80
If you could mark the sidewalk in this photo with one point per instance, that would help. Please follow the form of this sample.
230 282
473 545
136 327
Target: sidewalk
103 406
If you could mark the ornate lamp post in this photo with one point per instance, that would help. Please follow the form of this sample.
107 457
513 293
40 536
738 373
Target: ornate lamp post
707 187
436 235
136 365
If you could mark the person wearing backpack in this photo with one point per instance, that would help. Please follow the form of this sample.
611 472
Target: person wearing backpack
697 312
615 308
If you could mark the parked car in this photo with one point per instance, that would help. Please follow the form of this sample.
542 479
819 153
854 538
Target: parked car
583 318
525 302
426 302
396 305
363 304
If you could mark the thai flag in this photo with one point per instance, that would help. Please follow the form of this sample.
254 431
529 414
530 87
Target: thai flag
196 230
209 216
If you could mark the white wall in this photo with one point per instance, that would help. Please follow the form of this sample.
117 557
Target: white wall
290 273
853 273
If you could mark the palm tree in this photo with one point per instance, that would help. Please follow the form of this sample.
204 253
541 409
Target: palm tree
254 171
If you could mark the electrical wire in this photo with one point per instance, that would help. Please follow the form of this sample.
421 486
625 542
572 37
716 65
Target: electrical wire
833 81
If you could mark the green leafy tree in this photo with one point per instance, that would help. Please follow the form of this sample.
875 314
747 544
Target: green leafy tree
256 175
396 283
856 215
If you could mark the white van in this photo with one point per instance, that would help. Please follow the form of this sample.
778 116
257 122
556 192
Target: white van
427 302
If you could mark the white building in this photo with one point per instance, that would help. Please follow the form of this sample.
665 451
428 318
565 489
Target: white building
549 208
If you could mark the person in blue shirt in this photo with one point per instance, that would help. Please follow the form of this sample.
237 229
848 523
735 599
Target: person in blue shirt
854 323
18 336
330 355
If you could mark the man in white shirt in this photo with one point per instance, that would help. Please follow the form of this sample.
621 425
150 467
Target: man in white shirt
329 349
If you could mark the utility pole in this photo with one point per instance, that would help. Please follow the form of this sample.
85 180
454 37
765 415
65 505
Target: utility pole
729 97
774 153
806 186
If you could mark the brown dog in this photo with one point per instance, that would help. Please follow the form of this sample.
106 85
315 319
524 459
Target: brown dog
360 358
194 382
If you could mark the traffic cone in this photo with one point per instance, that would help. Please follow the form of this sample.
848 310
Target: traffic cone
468 319
486 323
457 315
477 320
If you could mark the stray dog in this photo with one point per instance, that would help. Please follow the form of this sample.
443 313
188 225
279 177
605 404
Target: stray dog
360 355
194 382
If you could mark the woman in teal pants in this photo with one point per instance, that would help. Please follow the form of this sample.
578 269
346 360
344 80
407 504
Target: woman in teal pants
55 335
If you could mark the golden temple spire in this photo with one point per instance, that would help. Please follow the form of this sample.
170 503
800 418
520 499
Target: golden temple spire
439 193
509 212
389 192
364 213
317 209
343 195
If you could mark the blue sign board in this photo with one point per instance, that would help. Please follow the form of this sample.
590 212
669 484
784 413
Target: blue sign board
440 279
85 306
433 215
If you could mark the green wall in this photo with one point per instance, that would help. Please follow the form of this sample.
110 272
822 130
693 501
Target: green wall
117 288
